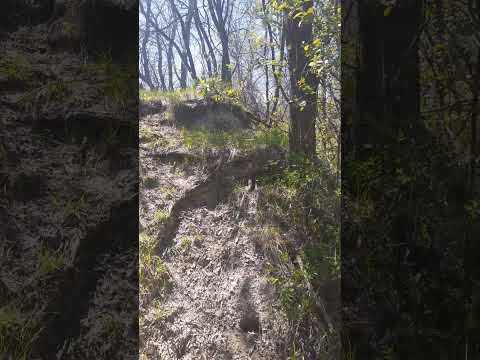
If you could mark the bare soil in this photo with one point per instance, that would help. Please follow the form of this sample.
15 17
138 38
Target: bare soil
68 177
219 304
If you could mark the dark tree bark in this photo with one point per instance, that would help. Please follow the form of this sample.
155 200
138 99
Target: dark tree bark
303 101
267 77
386 128
390 71
170 61
160 70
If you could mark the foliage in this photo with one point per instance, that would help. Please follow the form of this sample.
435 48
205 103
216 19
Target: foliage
17 333
203 139
150 182
16 68
146 134
378 211
119 78
50 261
54 90
160 216
174 96
159 311
153 273
215 90
185 242
303 198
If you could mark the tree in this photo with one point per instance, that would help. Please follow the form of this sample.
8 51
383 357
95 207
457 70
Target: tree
144 73
303 83
221 14
406 175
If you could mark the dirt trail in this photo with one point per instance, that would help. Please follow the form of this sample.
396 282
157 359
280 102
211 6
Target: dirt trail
219 304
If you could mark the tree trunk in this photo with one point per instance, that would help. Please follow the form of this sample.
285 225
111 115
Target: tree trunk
303 101
226 71
205 37
161 73
144 44
389 110
170 60
220 13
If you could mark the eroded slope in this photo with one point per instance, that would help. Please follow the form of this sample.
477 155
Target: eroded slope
207 296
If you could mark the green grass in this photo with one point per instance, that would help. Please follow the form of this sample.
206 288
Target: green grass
202 139
289 281
150 182
282 207
173 96
159 311
212 89
146 134
70 208
54 90
146 244
269 231
50 261
16 68
110 327
160 216
153 273
161 143
185 242
118 85
16 333
169 191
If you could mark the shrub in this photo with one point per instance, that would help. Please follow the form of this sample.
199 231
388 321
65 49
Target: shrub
214 89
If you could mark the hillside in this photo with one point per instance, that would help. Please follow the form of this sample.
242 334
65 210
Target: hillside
67 150
216 277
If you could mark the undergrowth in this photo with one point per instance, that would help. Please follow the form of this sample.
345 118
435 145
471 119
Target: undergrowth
303 197
211 89
16 333
153 273
203 139
16 68
146 134
173 96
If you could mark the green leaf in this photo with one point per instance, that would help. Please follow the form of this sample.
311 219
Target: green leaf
282 6
387 11
299 14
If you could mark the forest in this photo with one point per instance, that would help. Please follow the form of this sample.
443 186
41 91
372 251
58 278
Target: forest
239 179
410 215
408 145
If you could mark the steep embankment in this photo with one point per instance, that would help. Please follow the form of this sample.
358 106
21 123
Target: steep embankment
68 194
203 278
